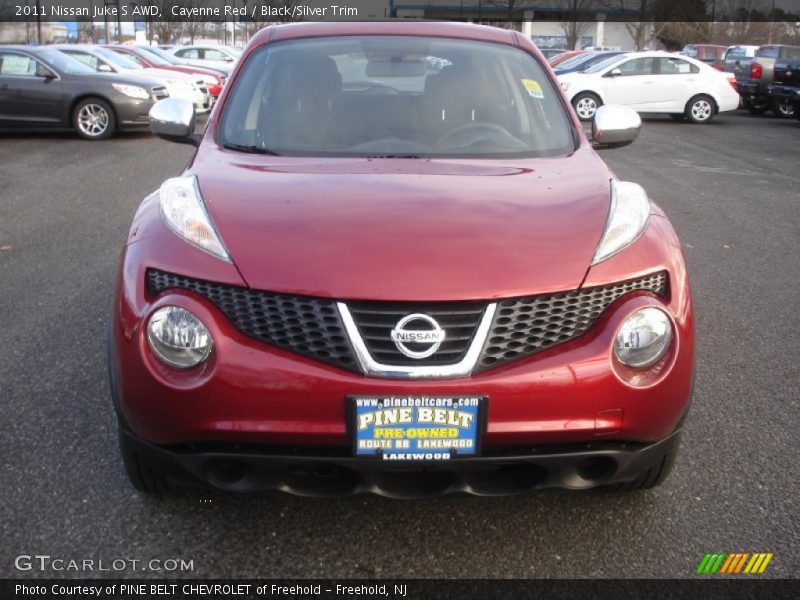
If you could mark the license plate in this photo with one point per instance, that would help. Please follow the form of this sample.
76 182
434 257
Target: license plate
416 428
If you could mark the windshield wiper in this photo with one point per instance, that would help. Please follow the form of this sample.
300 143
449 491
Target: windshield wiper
251 149
391 156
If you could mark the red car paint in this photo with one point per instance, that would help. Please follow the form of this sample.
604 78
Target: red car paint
319 227
565 56
143 58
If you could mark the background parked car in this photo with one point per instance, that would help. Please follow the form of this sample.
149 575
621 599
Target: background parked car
738 57
652 82
584 61
163 56
150 57
213 56
754 83
179 85
549 53
786 89
563 57
42 87
708 53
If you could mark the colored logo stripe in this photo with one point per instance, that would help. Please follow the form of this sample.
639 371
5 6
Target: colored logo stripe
758 564
711 563
724 563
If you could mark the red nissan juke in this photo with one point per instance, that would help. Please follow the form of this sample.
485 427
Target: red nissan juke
396 265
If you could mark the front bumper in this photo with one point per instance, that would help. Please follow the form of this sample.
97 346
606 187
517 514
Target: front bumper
785 94
249 392
500 471
132 112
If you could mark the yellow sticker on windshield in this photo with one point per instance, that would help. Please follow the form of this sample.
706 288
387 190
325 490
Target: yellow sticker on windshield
533 88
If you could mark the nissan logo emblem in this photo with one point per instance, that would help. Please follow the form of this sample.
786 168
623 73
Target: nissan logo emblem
418 336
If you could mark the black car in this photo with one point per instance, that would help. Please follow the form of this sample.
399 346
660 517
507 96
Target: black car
42 87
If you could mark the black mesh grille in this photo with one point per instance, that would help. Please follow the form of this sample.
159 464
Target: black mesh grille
375 321
308 326
523 326
312 327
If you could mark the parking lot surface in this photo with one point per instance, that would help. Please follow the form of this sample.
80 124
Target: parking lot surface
731 190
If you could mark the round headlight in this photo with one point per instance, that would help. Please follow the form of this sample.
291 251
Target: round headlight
178 337
643 338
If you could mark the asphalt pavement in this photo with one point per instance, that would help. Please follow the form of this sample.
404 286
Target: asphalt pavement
731 190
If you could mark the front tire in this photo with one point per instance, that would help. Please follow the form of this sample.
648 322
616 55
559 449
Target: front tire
700 110
586 105
784 111
143 475
94 119
656 474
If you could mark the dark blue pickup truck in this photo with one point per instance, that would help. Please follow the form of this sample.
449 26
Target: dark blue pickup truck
756 84
786 89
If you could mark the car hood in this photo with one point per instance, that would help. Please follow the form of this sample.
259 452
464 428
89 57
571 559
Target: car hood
407 229
165 74
110 78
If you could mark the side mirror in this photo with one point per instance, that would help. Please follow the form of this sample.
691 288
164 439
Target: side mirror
105 68
614 72
173 119
44 72
614 126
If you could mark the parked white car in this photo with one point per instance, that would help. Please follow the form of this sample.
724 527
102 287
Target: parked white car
212 56
652 82
179 85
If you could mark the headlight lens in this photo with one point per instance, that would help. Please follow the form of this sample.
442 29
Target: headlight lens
178 337
180 87
132 91
627 220
643 338
182 208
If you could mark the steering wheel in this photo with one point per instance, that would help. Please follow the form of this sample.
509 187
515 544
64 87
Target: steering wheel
472 133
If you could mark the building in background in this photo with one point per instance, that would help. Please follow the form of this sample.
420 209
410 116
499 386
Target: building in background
27 33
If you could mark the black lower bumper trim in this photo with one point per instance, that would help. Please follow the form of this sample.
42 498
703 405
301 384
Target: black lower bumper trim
248 470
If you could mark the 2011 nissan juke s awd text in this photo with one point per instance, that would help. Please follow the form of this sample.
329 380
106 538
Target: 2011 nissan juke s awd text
395 264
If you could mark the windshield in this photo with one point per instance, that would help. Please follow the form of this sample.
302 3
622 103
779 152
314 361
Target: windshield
597 67
158 57
394 96
64 63
571 62
117 59
154 58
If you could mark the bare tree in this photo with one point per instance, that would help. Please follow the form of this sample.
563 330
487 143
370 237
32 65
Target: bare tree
194 25
515 9
676 35
577 20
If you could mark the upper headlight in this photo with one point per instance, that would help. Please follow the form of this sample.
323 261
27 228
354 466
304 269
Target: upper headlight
627 219
182 208
132 91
